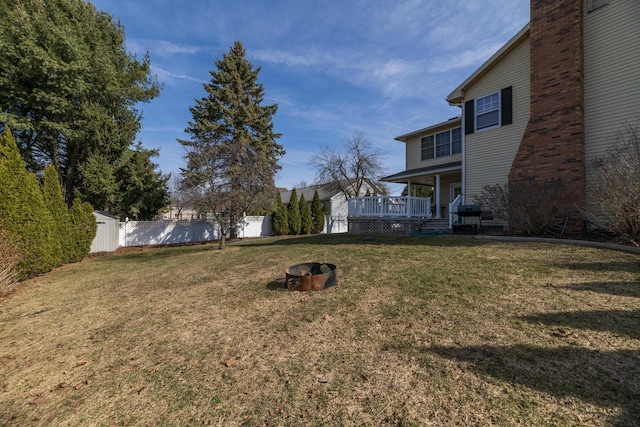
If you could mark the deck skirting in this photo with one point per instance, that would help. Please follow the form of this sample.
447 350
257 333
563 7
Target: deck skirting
377 225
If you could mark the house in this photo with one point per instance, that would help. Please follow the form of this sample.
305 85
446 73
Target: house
542 107
335 203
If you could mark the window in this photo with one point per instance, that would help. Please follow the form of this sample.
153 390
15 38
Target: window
441 144
426 148
456 140
488 111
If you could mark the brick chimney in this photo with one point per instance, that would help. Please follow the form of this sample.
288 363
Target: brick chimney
553 142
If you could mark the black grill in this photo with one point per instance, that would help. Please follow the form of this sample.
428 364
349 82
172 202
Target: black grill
469 210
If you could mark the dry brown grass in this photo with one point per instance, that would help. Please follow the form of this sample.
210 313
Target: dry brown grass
420 331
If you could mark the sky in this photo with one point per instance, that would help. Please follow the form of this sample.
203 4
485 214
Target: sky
334 67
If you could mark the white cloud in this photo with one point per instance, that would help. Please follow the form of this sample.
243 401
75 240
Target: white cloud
170 77
162 48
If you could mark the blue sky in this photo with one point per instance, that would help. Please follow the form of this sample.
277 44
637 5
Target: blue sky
382 67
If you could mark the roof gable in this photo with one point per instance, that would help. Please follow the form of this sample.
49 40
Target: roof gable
457 95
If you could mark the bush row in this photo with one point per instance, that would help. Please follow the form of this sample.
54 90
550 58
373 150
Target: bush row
34 219
298 217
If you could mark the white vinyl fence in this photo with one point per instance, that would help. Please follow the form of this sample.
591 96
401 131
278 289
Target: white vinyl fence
166 232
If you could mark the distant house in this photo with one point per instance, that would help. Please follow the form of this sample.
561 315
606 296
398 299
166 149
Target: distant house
335 203
175 213
543 106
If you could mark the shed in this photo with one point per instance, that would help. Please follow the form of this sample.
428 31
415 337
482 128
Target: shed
107 239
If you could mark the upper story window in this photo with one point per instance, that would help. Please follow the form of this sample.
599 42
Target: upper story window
426 148
441 144
488 111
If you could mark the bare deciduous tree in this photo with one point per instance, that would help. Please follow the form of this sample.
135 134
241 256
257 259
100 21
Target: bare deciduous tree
181 197
352 169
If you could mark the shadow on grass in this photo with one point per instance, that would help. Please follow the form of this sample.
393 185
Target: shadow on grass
620 322
607 378
603 378
359 239
622 289
628 266
278 285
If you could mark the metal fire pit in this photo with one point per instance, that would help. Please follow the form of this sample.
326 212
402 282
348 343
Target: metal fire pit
311 276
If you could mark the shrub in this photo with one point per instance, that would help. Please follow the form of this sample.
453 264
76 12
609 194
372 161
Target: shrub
9 257
306 221
317 214
613 189
84 227
279 219
293 213
531 208
54 201
23 214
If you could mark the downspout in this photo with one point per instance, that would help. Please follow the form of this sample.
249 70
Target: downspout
463 141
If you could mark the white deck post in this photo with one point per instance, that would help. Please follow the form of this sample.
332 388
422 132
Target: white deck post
438 211
409 209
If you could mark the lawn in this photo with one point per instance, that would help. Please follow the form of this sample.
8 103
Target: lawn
419 331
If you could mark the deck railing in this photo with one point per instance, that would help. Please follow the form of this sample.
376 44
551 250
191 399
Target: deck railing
453 210
390 206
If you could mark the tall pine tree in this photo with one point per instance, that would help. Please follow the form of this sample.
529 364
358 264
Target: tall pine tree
232 155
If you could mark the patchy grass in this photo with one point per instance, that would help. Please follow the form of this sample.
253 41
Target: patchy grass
419 331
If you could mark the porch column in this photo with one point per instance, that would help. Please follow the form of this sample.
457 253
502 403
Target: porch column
409 208
438 211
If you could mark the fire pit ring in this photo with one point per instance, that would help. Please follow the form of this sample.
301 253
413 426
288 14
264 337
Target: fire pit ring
311 276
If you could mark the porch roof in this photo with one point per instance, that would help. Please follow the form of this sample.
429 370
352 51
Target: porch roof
431 129
403 177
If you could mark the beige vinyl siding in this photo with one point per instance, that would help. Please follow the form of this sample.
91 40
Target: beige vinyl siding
490 153
413 151
611 73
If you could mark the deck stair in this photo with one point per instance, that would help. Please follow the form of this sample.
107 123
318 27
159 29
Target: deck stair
435 225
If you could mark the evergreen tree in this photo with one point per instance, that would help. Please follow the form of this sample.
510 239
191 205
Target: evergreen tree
232 156
317 213
84 227
293 213
70 91
23 214
143 191
54 201
279 218
418 191
306 221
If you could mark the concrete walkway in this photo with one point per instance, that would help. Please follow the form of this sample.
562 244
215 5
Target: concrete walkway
601 245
